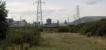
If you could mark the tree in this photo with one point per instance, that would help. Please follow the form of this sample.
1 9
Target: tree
94 29
3 21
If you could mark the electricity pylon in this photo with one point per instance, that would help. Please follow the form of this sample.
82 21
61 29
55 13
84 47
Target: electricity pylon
39 13
78 12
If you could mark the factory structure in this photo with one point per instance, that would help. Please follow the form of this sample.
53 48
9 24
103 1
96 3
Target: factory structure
13 23
49 23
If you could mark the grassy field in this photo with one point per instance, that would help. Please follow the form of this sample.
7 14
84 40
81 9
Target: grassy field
70 41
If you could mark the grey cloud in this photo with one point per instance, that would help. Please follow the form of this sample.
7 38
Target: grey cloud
18 0
56 8
24 13
93 2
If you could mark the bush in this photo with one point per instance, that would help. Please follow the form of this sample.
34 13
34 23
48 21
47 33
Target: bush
97 28
87 27
70 28
101 30
73 28
20 36
63 29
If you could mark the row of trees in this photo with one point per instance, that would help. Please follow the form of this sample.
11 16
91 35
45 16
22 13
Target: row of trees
96 28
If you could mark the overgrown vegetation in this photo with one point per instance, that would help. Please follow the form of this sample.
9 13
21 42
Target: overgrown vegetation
96 28
70 41
63 29
11 37
3 22
21 36
30 36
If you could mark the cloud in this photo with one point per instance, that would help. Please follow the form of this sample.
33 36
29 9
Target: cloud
55 9
28 11
93 2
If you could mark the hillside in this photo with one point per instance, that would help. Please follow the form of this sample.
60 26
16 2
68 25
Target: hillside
88 19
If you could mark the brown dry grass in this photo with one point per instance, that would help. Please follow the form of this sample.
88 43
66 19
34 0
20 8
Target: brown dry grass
70 41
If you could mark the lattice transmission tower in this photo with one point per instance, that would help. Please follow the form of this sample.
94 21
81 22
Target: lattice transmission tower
77 11
77 16
39 13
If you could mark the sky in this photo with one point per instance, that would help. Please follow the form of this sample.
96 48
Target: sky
55 9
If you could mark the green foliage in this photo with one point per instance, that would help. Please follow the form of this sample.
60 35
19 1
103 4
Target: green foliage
87 28
101 28
63 29
97 28
70 28
20 36
73 28
3 22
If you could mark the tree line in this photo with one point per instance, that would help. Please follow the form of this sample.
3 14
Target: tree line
94 28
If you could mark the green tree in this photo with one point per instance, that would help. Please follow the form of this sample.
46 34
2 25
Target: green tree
3 21
97 28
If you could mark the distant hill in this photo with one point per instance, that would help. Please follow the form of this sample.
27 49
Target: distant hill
87 19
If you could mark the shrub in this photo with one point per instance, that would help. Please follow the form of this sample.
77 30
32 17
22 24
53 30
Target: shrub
73 28
97 28
63 29
20 36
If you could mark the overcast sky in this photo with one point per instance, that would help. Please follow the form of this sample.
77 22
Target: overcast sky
55 9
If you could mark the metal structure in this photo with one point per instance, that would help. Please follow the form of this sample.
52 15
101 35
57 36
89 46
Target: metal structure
77 12
77 15
39 13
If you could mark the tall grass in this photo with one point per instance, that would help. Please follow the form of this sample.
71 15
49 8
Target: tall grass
21 36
